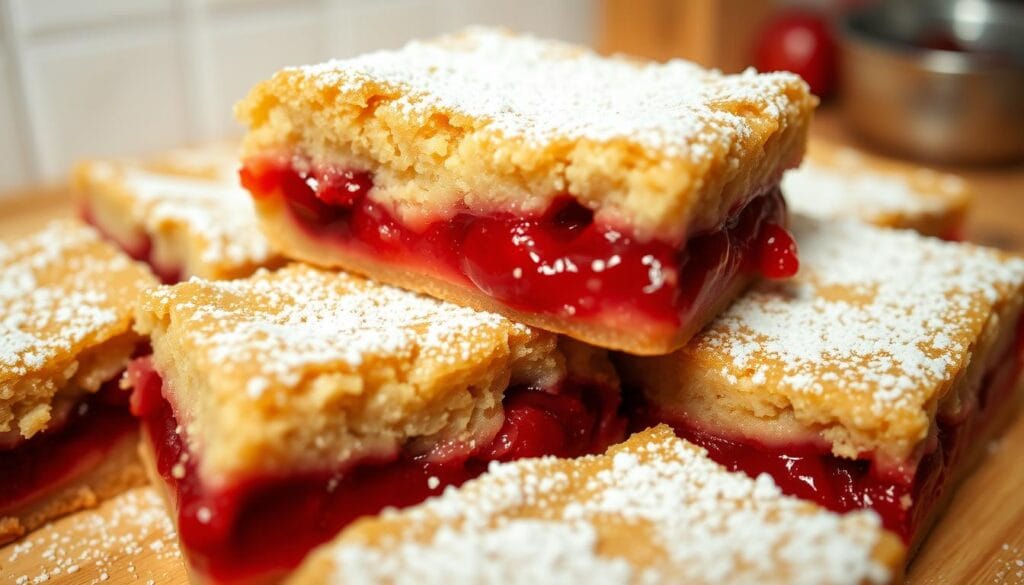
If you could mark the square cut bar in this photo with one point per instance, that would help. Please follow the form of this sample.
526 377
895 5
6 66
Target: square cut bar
183 212
66 437
277 409
654 509
619 202
837 182
871 380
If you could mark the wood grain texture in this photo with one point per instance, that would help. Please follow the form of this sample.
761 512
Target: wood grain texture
979 540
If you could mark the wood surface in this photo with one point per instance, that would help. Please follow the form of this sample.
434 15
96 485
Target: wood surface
980 539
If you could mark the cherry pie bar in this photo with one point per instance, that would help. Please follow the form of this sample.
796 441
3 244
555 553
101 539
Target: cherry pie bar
654 509
279 408
836 182
871 380
66 437
183 212
619 202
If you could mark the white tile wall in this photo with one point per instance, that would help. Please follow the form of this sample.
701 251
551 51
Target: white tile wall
34 16
13 164
385 24
241 51
83 78
119 93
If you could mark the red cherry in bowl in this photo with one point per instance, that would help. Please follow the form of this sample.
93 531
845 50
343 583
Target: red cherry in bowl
800 42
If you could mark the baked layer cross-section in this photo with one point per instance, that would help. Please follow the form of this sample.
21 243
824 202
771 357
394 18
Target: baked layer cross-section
529 177
281 407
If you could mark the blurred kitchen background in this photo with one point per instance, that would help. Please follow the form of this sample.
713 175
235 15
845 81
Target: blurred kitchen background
84 78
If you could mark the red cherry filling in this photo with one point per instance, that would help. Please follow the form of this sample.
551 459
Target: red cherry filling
778 257
256 528
559 262
905 499
33 468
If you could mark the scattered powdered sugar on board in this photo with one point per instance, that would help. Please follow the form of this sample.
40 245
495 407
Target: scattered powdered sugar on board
1010 566
543 91
653 510
877 321
128 539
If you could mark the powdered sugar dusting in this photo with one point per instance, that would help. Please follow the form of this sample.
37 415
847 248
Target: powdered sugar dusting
818 191
653 510
542 91
877 322
53 295
850 189
290 321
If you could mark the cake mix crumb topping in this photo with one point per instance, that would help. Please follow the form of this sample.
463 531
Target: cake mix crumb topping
877 323
654 509
298 319
60 289
545 90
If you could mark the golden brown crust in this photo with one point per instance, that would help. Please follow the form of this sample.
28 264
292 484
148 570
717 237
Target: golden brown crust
486 121
838 182
621 334
65 320
881 330
186 203
302 369
653 509
119 471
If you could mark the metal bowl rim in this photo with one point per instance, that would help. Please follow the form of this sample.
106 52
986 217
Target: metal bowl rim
934 60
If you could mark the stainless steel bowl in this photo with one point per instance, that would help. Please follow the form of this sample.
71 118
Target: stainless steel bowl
961 102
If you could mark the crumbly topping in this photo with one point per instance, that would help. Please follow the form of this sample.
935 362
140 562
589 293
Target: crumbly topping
292 321
487 119
843 183
62 292
128 539
333 360
872 332
654 509
180 201
544 90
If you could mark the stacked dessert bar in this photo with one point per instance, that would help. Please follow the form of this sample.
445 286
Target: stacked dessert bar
471 268
183 213
837 182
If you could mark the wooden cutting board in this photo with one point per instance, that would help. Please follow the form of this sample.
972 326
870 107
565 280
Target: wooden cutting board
128 540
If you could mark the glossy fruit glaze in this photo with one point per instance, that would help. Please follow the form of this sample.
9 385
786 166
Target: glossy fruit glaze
38 466
560 262
259 527
839 484
140 248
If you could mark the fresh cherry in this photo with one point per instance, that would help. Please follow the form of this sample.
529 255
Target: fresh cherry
800 42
